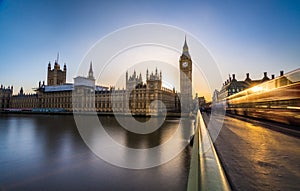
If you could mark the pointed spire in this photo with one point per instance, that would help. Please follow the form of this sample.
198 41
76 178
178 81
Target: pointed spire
91 66
185 50
56 65
147 74
57 57
91 73
185 44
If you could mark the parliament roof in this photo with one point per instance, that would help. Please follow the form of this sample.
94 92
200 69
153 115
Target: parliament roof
68 87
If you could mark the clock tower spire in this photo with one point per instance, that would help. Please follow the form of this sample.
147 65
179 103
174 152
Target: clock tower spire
185 66
185 50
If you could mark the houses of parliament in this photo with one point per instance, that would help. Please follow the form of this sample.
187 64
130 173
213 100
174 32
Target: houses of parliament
138 98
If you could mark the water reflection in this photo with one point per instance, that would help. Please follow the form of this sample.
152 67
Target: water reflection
46 152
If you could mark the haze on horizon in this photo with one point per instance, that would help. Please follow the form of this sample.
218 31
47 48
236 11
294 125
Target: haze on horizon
242 36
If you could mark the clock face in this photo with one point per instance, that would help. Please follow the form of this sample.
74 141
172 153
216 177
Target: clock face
184 64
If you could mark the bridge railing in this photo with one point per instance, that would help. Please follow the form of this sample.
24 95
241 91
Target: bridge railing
206 172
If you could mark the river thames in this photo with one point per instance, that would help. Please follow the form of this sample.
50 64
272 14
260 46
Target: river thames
46 152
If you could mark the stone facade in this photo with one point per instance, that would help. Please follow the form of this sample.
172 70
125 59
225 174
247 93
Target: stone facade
150 97
5 96
56 76
138 98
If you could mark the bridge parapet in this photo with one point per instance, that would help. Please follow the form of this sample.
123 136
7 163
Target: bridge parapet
206 172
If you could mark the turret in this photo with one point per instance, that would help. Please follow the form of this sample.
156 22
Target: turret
265 78
281 73
247 78
49 66
21 91
65 67
233 77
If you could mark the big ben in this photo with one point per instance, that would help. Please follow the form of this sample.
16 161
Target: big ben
185 65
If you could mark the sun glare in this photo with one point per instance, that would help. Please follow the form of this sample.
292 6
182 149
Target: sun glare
257 89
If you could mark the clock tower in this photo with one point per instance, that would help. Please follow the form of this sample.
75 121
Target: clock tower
185 66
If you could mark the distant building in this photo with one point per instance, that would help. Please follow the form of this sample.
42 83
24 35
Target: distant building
5 95
24 101
138 98
84 95
232 86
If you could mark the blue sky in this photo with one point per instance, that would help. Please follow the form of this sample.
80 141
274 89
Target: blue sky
243 36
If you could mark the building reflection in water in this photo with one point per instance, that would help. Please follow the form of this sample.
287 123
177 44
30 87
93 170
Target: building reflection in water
46 152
